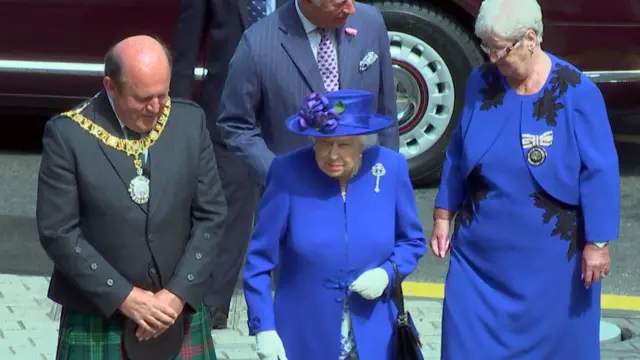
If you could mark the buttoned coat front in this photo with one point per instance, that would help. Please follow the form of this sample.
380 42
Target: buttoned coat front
322 245
101 242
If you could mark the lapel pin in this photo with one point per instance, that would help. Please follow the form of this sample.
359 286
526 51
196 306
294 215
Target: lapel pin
378 171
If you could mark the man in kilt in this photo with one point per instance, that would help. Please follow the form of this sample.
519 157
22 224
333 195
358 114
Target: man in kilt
130 210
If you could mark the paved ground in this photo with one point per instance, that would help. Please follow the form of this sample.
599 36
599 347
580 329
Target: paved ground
28 332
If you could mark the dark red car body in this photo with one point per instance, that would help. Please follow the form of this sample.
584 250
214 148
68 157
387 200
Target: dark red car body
596 36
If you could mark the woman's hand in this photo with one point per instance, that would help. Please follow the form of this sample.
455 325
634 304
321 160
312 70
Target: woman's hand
269 346
596 263
439 240
371 284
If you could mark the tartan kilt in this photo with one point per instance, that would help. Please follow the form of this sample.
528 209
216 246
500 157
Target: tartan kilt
93 337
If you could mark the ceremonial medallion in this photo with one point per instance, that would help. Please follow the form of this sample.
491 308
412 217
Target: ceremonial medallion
536 155
139 188
139 185
537 144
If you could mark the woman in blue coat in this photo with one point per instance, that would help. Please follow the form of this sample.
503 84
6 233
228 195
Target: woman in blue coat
532 174
335 216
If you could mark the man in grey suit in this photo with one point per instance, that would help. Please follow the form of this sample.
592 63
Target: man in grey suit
130 209
305 46
223 21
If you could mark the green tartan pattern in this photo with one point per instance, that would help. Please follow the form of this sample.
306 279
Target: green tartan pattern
92 337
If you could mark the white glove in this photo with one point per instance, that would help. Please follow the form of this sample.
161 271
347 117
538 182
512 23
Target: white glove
371 284
269 346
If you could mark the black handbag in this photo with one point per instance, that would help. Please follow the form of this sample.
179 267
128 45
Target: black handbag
406 341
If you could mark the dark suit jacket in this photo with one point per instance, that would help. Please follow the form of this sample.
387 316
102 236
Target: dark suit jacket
224 21
101 242
274 68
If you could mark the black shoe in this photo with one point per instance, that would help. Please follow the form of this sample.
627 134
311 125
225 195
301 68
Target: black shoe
218 320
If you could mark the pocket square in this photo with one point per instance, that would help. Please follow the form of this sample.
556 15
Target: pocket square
367 61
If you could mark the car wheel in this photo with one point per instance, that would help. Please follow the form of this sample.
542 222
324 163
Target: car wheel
432 58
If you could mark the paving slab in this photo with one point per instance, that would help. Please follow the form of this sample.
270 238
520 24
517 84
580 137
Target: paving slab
29 329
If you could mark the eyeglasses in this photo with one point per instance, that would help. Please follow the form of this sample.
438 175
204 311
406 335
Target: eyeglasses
501 52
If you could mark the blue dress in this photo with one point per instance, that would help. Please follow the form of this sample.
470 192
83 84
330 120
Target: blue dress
513 289
322 243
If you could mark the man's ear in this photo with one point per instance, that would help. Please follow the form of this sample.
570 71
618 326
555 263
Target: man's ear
109 85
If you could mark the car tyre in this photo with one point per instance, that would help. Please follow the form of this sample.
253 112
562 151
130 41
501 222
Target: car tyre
432 56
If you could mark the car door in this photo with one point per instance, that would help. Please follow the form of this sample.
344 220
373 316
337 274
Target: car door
55 48
600 38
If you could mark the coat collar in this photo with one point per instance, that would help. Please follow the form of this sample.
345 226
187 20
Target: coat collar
296 28
159 169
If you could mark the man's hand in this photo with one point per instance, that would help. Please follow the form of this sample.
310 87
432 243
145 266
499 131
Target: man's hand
168 299
150 313
596 263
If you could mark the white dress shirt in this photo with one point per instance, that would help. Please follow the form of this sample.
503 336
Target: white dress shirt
313 34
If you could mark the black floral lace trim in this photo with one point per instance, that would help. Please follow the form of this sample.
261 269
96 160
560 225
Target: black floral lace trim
493 94
547 106
568 220
477 190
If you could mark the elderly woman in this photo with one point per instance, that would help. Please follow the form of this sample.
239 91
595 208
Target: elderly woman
532 174
337 218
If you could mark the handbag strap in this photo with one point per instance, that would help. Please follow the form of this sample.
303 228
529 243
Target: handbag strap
398 296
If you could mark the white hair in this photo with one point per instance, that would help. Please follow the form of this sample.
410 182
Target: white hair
367 140
509 19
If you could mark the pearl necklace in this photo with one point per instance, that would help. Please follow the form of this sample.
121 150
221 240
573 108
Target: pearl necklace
343 187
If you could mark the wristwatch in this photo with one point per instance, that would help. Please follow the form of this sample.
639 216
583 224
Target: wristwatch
600 244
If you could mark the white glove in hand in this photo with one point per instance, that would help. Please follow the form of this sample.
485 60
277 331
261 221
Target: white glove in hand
371 284
269 346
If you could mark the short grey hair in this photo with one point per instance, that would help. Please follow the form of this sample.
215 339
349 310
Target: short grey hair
509 19
367 140
370 140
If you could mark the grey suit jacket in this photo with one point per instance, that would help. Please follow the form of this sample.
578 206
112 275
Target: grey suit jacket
273 69
101 242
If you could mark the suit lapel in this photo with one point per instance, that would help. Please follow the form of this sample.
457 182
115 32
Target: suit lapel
486 127
160 168
296 44
102 114
347 54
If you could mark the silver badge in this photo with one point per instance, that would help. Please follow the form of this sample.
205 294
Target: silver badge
139 188
536 144
378 171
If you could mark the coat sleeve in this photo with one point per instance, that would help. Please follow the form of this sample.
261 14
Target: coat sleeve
451 191
208 212
389 137
410 242
238 120
599 172
262 256
58 221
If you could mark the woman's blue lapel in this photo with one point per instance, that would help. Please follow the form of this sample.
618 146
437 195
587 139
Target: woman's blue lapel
489 115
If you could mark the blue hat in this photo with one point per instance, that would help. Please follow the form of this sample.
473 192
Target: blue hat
338 113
